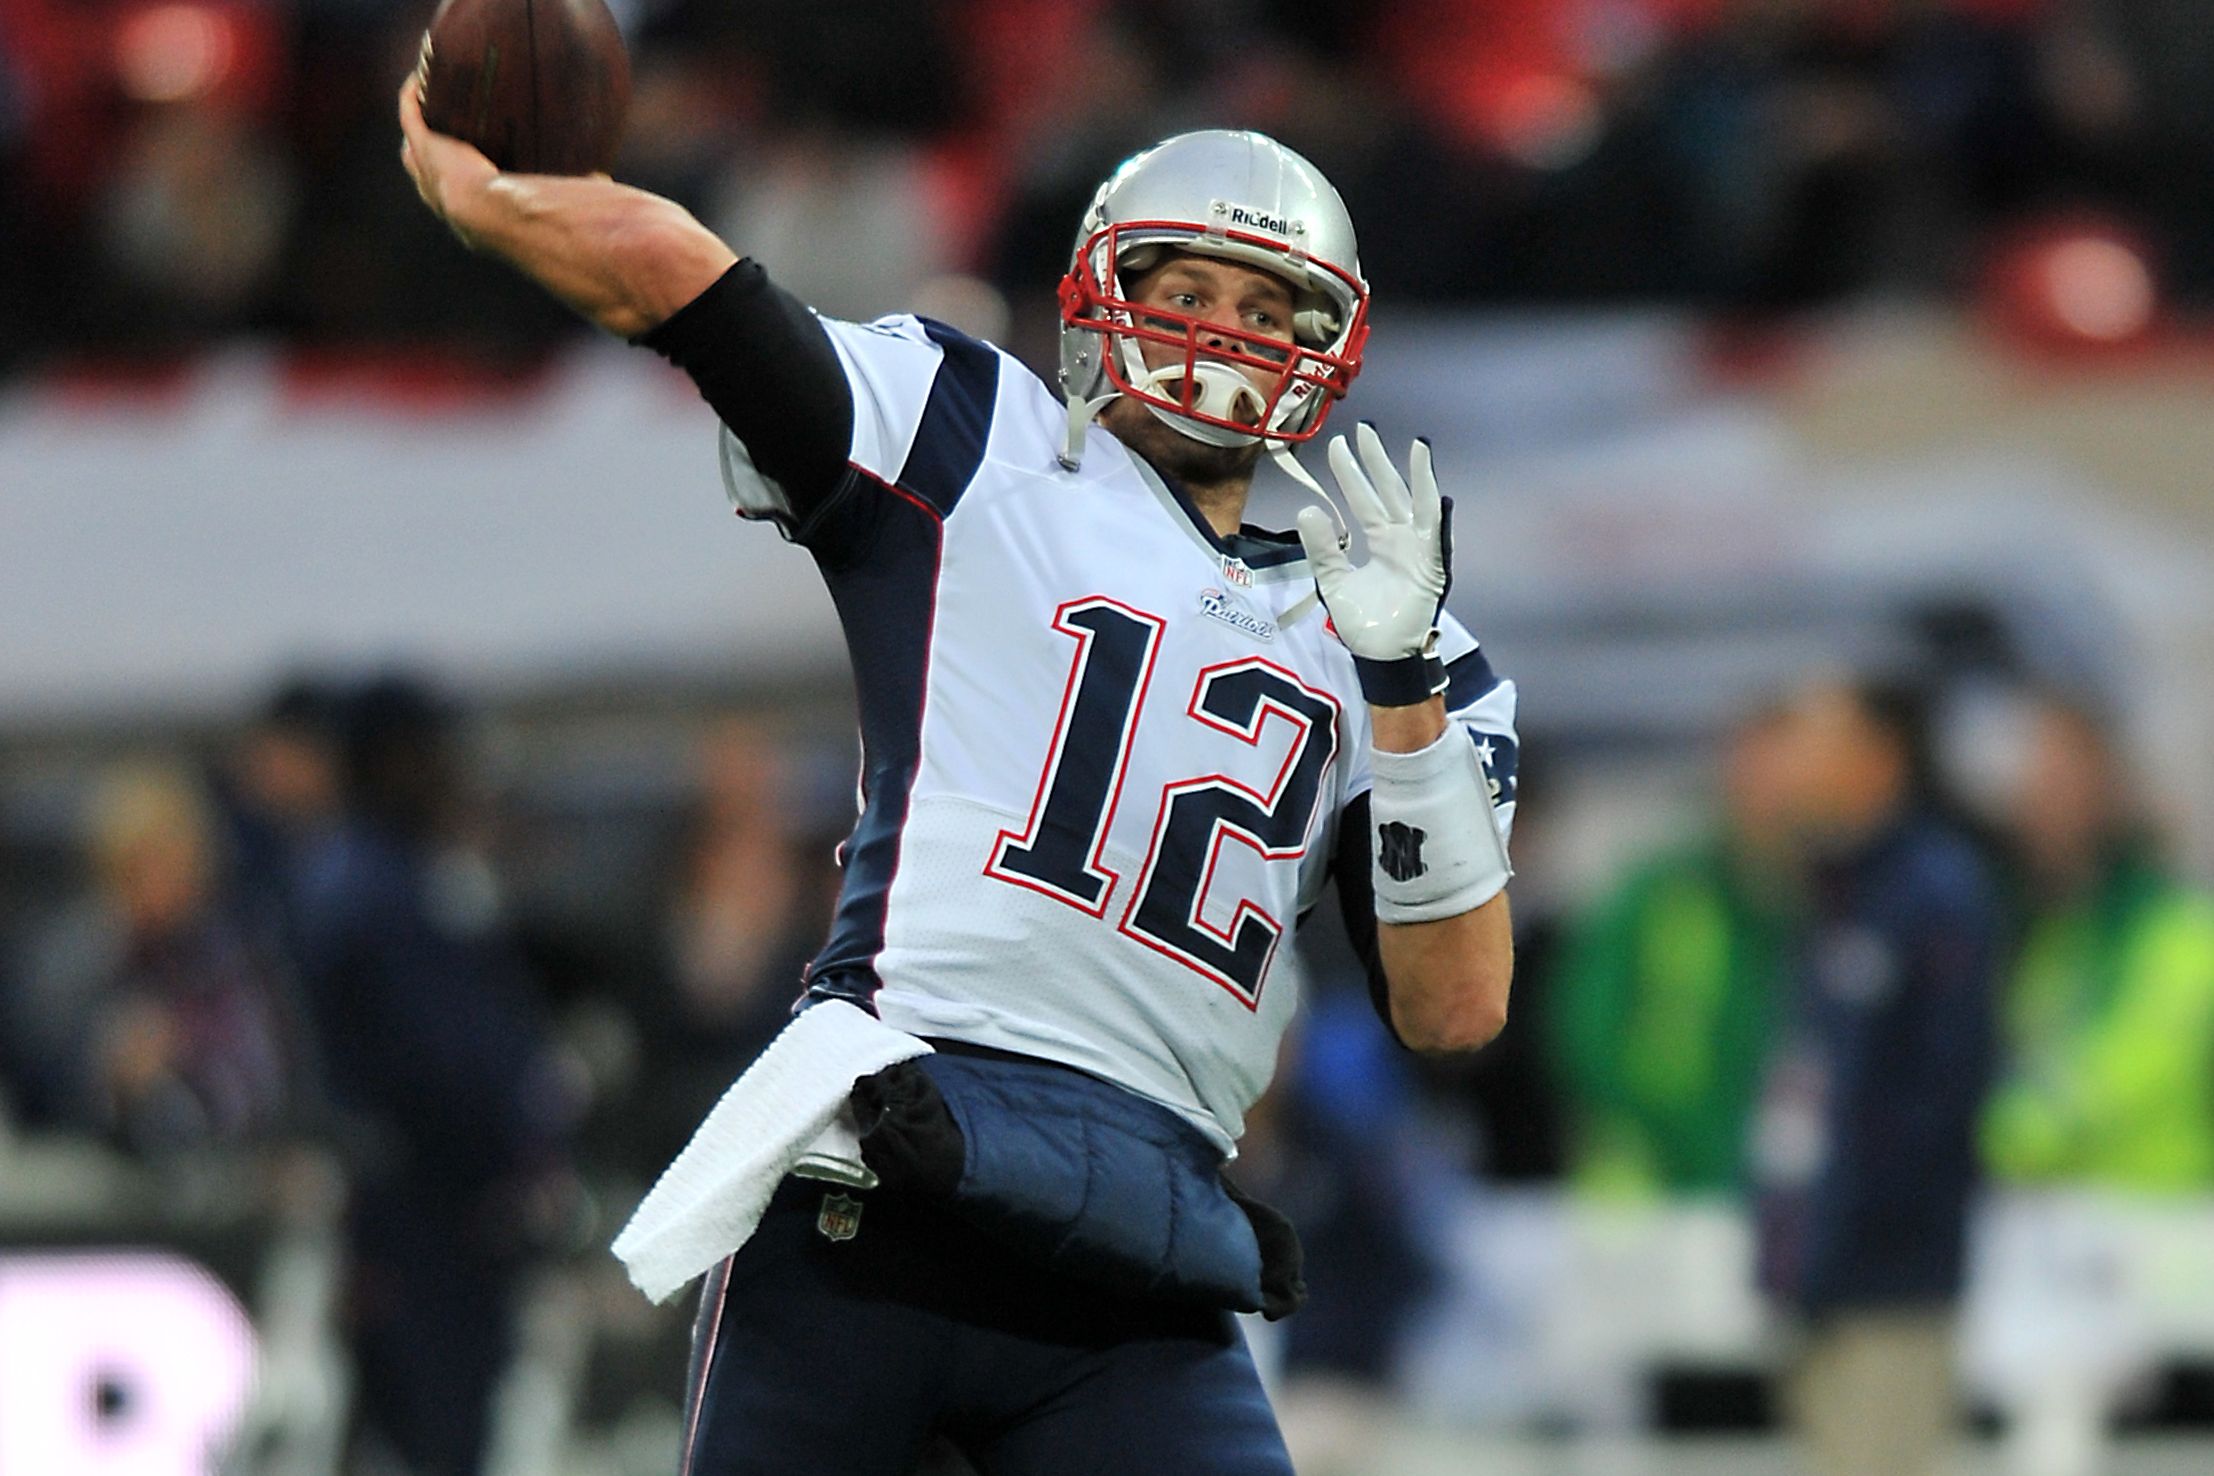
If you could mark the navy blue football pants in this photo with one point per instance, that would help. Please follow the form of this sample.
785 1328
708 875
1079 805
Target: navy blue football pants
820 1356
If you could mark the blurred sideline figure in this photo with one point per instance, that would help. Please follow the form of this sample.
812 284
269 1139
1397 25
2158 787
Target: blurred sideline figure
442 1073
2103 1116
1661 1009
1337 1143
149 1015
2108 1077
748 906
1865 1140
278 792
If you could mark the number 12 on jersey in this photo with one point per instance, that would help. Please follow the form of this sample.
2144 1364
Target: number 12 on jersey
1059 852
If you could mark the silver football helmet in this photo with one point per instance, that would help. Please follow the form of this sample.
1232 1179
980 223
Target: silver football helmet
1241 197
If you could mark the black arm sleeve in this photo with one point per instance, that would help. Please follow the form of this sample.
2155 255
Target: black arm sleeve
1357 903
767 366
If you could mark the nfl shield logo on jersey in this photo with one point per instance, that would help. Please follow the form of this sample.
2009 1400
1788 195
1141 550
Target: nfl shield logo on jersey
840 1218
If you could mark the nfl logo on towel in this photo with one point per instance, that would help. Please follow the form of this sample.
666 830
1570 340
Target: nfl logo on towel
840 1218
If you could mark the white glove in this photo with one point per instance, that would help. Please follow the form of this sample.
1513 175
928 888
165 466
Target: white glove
1386 610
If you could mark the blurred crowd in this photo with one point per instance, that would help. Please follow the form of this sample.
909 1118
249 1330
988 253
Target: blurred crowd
307 941
177 170
1858 1001
1842 1003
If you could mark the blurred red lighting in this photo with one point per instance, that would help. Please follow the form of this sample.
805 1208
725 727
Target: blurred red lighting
2099 288
1546 120
2080 286
174 53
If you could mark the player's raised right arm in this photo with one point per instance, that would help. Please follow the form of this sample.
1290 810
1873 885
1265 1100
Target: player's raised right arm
625 258
640 266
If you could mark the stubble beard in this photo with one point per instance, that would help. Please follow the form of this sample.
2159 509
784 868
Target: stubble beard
1193 465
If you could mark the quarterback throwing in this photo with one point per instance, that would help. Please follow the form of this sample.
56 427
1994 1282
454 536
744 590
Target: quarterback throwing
1116 745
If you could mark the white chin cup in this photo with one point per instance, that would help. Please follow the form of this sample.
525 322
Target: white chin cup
1218 389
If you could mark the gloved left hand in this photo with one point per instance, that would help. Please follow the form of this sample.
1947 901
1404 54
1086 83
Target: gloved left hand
1386 610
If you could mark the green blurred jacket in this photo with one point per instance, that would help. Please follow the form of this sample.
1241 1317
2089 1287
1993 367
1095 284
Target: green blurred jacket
1660 1021
2108 1074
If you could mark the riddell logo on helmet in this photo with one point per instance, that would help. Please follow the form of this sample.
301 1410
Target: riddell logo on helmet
1256 220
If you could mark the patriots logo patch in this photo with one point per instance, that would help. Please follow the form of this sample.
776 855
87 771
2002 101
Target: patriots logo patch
1219 605
1399 850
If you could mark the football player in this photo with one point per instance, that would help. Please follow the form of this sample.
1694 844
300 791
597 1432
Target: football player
1116 745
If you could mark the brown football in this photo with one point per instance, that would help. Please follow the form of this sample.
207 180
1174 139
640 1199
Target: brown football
540 85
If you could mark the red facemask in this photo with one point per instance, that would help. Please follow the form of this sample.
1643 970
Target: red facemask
1293 384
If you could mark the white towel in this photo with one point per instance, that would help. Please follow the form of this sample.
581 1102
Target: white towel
706 1203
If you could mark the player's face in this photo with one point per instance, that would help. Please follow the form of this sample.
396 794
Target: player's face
1223 294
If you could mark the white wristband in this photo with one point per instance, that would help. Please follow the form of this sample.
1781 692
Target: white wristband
1435 843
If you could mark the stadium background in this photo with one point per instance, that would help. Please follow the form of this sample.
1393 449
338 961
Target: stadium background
1758 337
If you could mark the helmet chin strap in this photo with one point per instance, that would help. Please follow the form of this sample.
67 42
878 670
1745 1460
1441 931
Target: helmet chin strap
1082 413
1281 454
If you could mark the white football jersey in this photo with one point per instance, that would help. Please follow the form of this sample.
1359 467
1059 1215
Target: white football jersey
1105 751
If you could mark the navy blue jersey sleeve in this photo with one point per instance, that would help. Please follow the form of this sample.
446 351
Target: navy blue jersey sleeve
1357 903
1484 704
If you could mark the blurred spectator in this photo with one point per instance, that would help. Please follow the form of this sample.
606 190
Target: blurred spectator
751 905
1662 1007
192 223
279 793
692 109
157 186
1110 105
20 327
2108 1071
12 967
148 1014
1865 1140
2105 1103
858 91
1826 148
435 1050
1300 72
871 196
363 264
2157 58
1336 1147
1500 1110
